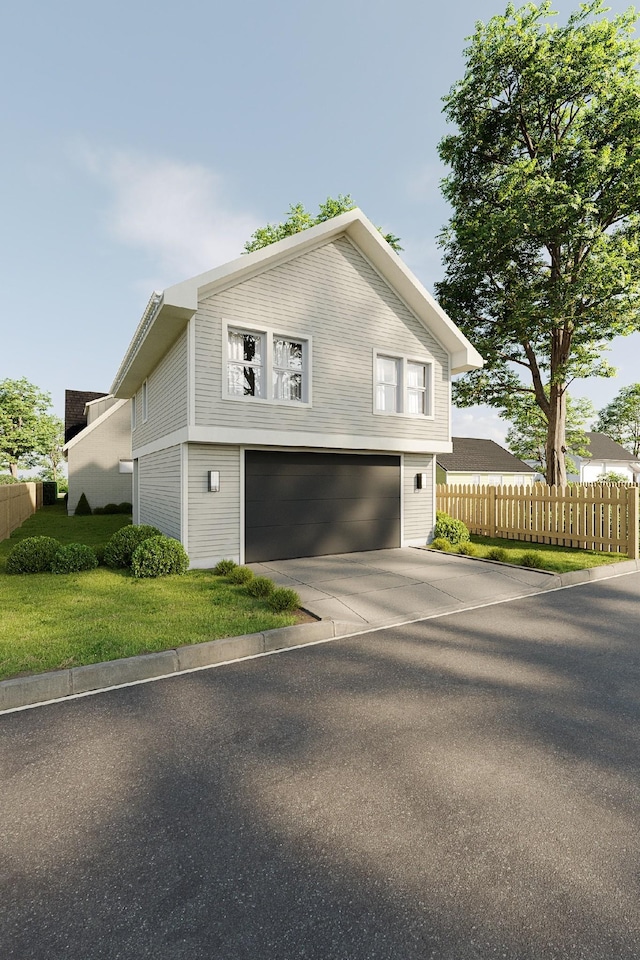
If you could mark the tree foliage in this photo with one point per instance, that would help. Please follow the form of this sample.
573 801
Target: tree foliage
620 419
542 250
299 219
28 432
527 435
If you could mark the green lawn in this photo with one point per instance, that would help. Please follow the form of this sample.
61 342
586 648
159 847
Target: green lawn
555 559
51 622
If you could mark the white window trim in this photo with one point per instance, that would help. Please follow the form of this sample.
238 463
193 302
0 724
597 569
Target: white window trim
404 359
268 333
145 400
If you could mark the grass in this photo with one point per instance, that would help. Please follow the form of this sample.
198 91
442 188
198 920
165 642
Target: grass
53 622
548 557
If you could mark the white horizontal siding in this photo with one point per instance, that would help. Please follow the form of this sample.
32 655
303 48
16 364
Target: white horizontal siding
158 480
167 397
418 510
214 518
334 296
94 461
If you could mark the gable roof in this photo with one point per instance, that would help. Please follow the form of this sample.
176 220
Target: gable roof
168 313
75 419
480 456
602 447
86 430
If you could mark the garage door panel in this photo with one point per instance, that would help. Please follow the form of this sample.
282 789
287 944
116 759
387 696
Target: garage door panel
321 487
292 513
265 462
322 539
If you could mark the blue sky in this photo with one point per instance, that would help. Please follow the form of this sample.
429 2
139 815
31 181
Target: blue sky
144 142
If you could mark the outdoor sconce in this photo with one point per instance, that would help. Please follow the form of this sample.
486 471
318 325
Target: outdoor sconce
421 481
213 481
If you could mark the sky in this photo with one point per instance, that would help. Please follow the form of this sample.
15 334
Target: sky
145 142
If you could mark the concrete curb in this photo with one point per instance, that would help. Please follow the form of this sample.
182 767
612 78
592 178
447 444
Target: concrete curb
38 688
41 687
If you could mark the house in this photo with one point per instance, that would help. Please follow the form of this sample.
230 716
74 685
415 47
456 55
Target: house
606 456
98 449
291 403
485 462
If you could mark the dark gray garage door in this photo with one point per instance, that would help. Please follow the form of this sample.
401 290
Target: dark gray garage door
313 504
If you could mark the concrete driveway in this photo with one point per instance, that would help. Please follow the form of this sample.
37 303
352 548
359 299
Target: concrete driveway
383 587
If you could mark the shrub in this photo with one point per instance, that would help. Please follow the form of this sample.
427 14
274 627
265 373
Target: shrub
125 507
498 553
240 575
452 530
74 557
283 600
440 544
111 508
121 546
159 557
98 511
261 587
467 549
531 559
33 555
224 567
83 509
7 478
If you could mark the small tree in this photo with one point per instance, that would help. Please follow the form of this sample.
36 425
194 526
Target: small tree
51 431
620 419
299 219
24 424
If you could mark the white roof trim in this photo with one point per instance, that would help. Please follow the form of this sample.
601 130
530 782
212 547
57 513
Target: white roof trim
168 313
96 423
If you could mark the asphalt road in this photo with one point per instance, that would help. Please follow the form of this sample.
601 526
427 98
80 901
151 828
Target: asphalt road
463 788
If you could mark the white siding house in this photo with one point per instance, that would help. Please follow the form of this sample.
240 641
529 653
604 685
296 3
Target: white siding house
291 403
99 456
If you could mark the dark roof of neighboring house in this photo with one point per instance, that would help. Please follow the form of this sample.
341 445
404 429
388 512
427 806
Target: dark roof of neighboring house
602 447
481 456
74 404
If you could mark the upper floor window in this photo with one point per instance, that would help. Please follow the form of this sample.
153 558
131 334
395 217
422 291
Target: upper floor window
267 366
145 401
403 386
133 412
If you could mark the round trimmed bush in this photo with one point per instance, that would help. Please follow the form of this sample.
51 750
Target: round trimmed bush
440 544
283 600
33 555
122 545
467 549
125 507
531 559
159 557
498 553
240 575
224 567
452 530
73 558
110 508
261 587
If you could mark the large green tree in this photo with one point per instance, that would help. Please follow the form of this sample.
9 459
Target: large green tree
25 424
527 435
51 458
620 419
298 219
542 251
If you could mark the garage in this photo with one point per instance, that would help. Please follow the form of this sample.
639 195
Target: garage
314 504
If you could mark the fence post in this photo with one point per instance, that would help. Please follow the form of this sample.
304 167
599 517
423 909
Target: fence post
491 511
633 538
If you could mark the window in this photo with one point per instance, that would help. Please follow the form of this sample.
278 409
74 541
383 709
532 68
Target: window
267 366
133 412
403 386
145 401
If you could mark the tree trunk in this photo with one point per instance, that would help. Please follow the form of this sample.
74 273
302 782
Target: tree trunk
556 437
13 470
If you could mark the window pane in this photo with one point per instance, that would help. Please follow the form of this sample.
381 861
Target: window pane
416 400
387 370
244 381
287 353
416 375
245 346
287 386
387 397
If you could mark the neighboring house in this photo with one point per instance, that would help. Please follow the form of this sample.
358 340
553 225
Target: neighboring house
482 462
98 450
291 403
606 456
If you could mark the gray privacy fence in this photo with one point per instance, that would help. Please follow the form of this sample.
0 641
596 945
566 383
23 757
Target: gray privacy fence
591 517
17 502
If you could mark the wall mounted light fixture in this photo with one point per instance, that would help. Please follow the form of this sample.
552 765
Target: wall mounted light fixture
213 481
421 481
